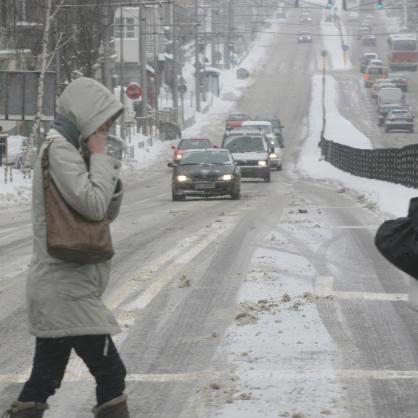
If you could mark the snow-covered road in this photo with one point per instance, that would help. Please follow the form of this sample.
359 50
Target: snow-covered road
277 305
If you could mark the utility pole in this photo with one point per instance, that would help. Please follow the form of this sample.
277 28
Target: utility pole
197 62
175 73
227 45
143 64
106 66
213 39
121 75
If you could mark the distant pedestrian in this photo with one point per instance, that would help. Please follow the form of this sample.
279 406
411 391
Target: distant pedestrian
64 299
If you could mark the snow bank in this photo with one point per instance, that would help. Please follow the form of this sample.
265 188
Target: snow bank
389 198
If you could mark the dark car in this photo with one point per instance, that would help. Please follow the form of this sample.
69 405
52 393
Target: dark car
399 80
399 120
235 120
186 144
206 172
304 37
383 110
251 153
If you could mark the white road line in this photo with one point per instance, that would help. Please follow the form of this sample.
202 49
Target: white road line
284 374
323 287
384 297
353 226
323 284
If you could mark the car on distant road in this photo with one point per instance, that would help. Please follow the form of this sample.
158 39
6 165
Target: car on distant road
382 111
251 153
400 120
277 127
374 72
235 120
365 59
187 144
390 95
305 17
376 61
399 80
379 84
368 40
304 37
266 127
206 173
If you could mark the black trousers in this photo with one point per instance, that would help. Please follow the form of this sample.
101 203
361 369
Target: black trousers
51 357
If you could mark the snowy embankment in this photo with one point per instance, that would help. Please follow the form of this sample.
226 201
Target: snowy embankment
391 199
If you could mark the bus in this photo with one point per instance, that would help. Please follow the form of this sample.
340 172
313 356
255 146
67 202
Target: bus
403 54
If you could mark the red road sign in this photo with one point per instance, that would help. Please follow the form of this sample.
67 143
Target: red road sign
134 91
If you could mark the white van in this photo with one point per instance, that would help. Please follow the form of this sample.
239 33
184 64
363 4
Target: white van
393 95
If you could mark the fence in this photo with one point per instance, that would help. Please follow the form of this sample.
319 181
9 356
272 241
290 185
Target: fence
395 165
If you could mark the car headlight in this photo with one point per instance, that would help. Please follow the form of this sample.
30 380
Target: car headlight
262 163
273 155
182 178
177 156
226 177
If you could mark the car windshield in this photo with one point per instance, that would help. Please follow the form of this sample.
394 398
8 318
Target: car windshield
206 157
264 128
246 144
238 116
375 70
400 114
194 144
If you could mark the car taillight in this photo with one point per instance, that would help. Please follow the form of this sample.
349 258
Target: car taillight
366 77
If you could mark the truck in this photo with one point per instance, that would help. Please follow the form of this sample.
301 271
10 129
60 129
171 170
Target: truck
403 54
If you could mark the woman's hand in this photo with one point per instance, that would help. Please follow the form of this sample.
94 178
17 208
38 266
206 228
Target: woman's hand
96 143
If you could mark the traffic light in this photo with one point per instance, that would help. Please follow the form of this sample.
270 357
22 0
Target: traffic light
379 5
345 5
330 4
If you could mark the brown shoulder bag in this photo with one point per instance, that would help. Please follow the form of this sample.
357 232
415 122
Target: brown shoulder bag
71 237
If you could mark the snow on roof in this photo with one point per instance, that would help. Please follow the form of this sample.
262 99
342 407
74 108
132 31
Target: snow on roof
256 123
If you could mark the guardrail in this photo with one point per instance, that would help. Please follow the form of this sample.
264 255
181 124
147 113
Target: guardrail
395 165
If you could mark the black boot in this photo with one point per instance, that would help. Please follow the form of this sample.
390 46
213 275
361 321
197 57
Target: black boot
25 410
115 408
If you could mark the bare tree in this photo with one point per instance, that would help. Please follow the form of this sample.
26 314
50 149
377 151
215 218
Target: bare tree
46 58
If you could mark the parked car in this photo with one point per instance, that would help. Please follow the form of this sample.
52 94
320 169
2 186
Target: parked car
206 172
304 37
365 59
400 120
399 80
374 72
379 84
187 144
251 153
235 120
382 111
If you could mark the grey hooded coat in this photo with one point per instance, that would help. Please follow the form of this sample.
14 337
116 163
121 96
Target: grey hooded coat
64 299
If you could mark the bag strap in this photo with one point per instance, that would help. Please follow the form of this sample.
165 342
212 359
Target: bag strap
45 165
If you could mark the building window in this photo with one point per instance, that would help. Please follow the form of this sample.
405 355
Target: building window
128 27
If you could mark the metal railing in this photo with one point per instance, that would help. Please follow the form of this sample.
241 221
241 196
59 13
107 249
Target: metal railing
395 165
